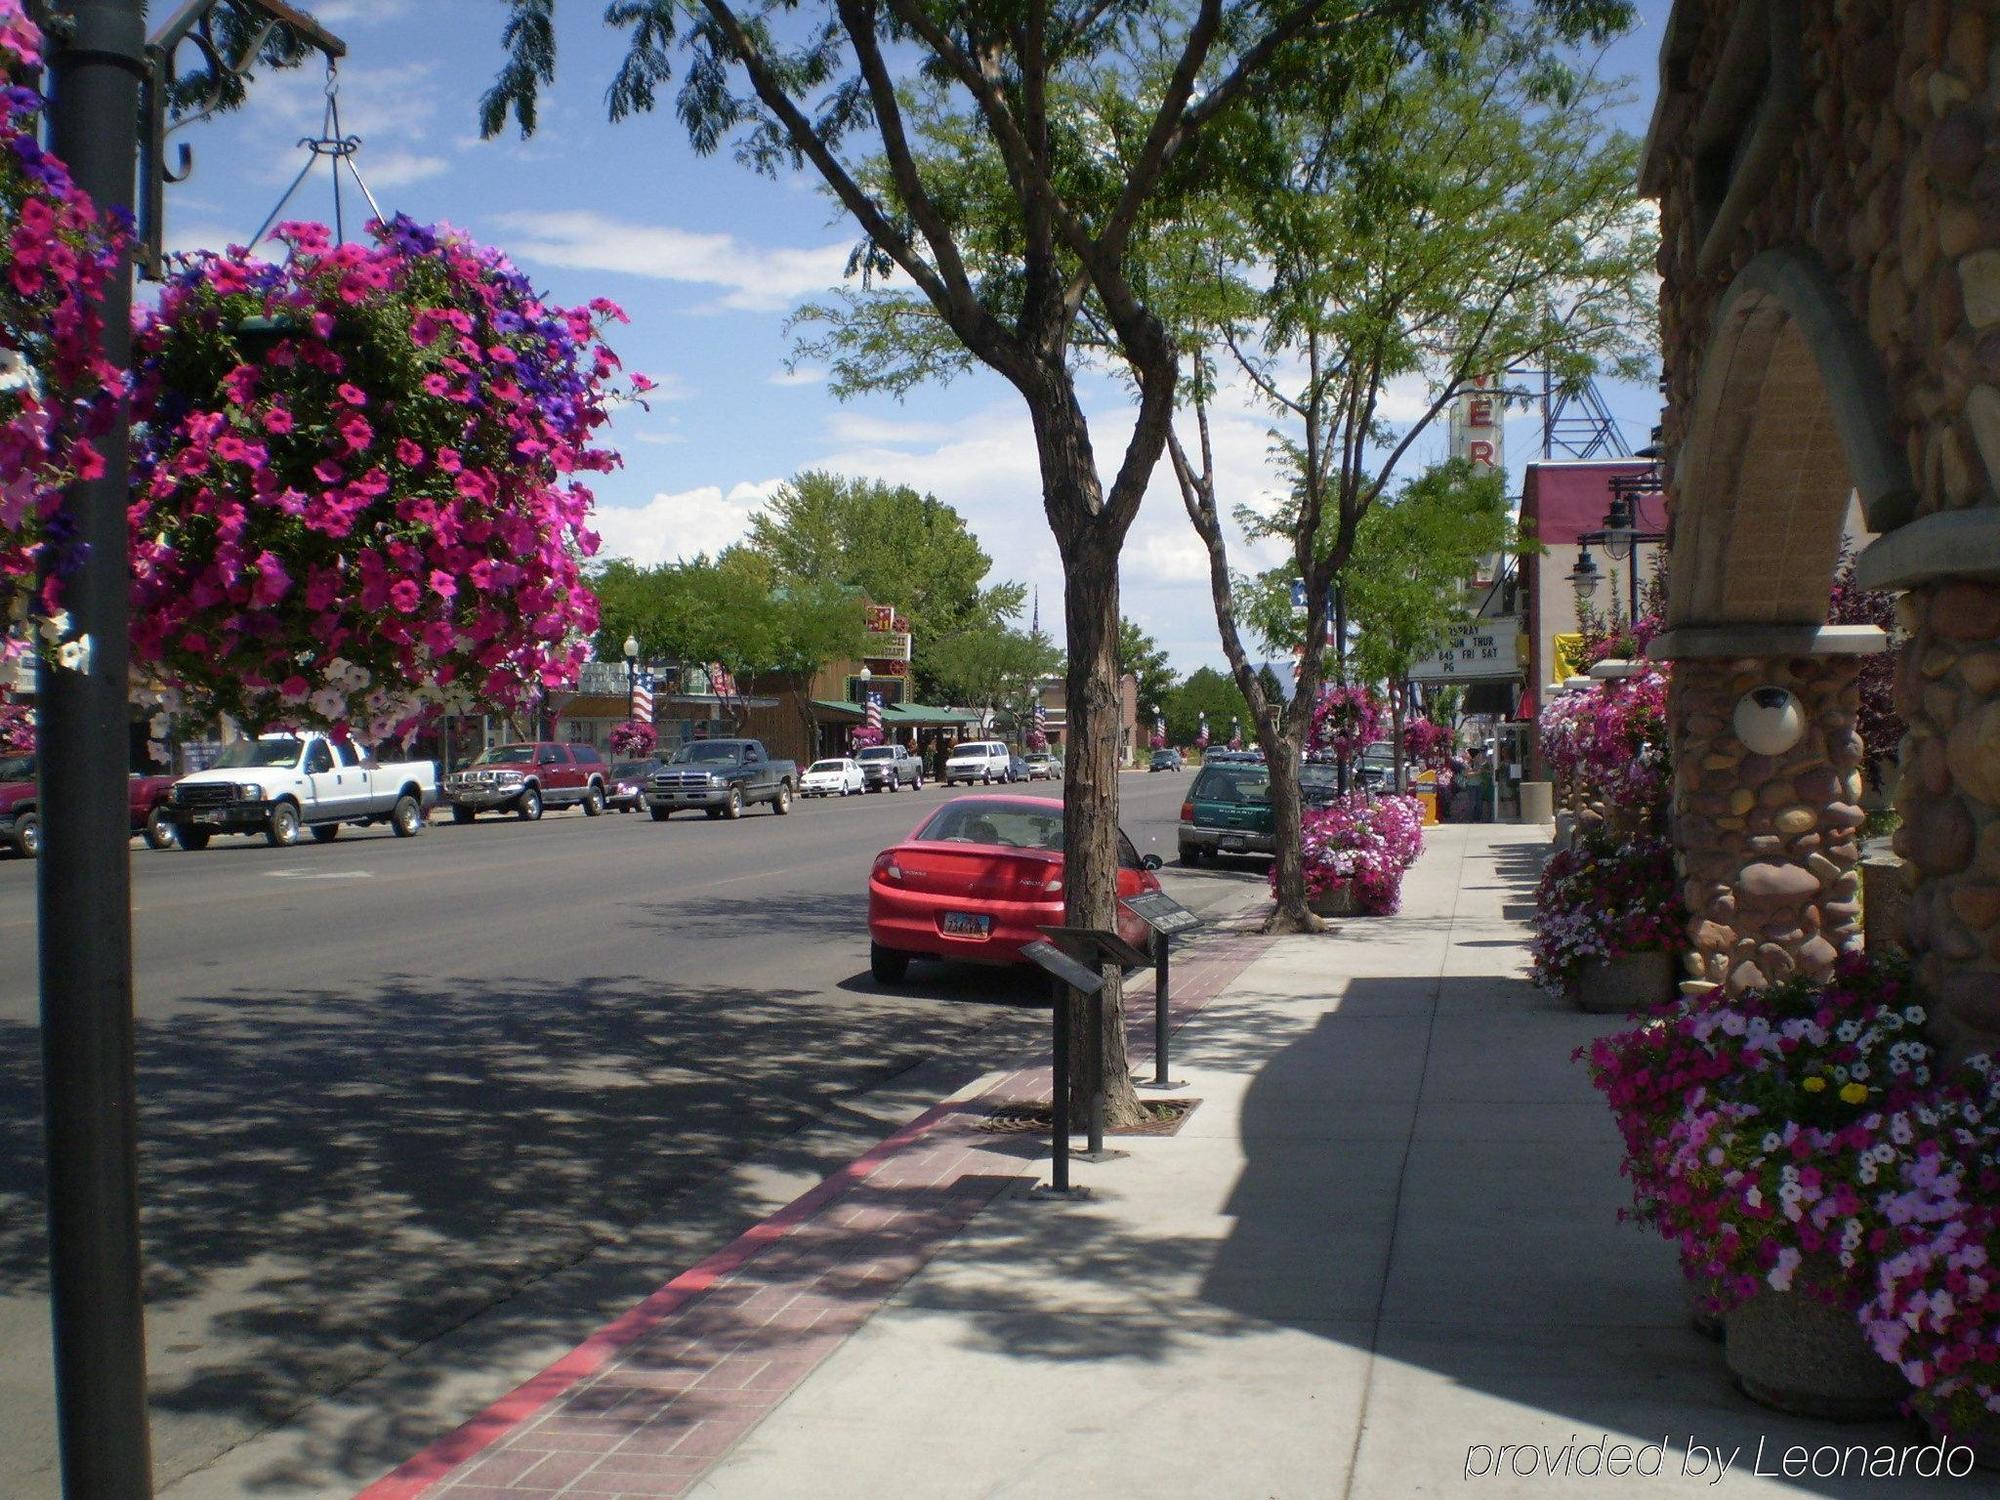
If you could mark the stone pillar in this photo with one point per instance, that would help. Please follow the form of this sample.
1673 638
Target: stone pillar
1768 843
1948 692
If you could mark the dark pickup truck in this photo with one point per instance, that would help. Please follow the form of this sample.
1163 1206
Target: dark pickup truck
721 777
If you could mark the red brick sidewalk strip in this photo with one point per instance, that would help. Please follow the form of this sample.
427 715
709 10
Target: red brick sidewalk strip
652 1400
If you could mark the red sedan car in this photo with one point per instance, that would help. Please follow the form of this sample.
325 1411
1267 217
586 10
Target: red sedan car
975 881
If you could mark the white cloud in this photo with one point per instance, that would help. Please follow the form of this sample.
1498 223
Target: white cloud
672 526
394 169
803 375
752 278
863 430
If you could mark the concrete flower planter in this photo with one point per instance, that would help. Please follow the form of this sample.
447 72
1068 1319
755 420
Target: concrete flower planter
1983 1440
1632 981
1794 1354
1334 901
1704 1322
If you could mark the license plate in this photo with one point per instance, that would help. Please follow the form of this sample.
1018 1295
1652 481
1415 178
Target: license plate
212 819
965 924
1232 843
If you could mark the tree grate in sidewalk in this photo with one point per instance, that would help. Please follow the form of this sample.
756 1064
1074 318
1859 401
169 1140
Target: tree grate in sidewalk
1162 1117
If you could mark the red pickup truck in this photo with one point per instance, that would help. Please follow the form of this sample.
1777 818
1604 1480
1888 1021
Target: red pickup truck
523 779
20 812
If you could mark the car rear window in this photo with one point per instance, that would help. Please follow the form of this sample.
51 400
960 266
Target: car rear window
976 822
827 765
1233 782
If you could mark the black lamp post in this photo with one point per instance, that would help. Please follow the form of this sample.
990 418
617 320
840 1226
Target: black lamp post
104 77
1620 538
631 675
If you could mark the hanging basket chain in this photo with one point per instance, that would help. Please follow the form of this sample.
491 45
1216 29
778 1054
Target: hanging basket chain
338 148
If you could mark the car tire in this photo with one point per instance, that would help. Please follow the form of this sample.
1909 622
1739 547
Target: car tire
593 801
159 830
281 829
194 840
782 803
660 814
28 836
711 813
462 814
1190 855
895 785
406 818
733 808
887 965
528 807
325 833
917 785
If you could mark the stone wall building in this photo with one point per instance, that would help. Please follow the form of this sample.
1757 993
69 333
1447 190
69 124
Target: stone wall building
1828 175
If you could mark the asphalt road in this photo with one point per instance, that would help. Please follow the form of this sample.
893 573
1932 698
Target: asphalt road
385 1083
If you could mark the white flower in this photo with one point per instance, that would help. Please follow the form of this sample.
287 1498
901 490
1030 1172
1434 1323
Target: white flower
55 626
74 655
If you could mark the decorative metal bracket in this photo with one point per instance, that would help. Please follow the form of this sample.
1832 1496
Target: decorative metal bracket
223 70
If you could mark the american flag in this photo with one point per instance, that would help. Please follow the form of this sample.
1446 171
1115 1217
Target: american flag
642 699
874 720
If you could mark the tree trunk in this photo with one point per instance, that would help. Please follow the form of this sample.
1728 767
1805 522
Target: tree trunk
1090 804
1398 713
1292 914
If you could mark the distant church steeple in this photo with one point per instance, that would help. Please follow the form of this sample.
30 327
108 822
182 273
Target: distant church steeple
1035 621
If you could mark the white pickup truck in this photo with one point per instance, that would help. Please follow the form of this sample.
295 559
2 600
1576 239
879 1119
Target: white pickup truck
280 783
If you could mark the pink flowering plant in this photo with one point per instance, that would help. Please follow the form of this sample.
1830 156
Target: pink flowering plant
1612 740
17 729
632 738
1346 718
1602 898
1935 1312
356 499
1362 842
1786 1138
57 254
864 735
1427 744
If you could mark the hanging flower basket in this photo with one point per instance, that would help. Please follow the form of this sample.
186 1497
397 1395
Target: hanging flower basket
376 517
633 739
56 256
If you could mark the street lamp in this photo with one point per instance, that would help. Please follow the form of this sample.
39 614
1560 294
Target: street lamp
631 675
1620 537
1584 576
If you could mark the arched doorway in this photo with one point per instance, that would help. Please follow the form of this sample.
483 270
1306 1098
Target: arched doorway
1788 424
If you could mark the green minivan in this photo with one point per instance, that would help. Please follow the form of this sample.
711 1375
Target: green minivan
1228 810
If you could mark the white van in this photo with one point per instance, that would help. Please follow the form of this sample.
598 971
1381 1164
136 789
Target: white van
978 760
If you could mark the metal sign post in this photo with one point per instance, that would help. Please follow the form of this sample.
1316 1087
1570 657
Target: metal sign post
1096 946
1167 918
1065 975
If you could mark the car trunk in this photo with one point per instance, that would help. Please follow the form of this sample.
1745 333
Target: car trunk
978 873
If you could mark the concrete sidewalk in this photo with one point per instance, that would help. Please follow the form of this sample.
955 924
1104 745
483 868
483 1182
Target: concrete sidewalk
1380 1258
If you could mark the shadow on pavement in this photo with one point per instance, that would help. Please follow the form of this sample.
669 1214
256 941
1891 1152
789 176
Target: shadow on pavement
331 1178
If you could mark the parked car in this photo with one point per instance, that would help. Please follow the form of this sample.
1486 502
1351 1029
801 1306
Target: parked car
1319 784
1044 766
976 880
887 767
1375 766
1228 811
984 761
278 784
625 783
20 807
839 777
1017 767
721 777
1226 756
526 778
1165 760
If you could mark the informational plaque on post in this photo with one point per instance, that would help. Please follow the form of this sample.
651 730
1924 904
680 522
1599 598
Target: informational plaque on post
1079 977
1162 913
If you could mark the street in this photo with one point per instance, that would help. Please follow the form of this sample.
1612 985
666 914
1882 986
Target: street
386 1083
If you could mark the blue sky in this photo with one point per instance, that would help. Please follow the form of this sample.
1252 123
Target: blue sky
709 259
